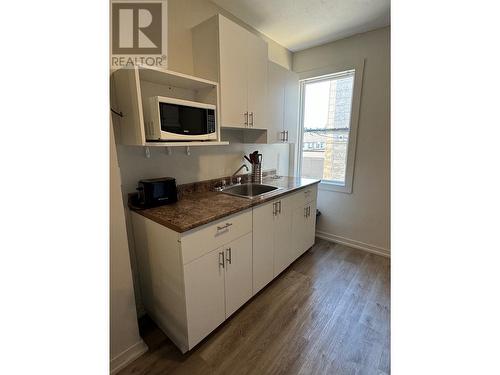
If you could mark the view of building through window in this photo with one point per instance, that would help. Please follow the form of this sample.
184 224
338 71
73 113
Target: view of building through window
327 117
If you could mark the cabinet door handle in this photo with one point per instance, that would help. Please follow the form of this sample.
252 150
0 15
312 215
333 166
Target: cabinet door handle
246 118
221 263
286 135
274 209
279 203
305 211
224 226
251 118
228 257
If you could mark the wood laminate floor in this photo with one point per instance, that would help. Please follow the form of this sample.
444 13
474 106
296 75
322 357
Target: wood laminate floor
328 313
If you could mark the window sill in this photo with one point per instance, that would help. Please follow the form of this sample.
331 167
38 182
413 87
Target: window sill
332 186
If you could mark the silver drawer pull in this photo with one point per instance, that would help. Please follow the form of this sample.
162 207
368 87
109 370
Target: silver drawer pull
225 226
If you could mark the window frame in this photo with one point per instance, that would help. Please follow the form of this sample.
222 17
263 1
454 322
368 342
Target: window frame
326 73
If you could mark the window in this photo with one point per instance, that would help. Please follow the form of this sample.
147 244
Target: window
329 107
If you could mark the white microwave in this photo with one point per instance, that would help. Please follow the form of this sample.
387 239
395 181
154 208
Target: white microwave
170 119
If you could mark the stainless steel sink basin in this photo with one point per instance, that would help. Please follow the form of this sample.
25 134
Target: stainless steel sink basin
249 190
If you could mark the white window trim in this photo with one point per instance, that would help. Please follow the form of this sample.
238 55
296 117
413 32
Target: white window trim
358 67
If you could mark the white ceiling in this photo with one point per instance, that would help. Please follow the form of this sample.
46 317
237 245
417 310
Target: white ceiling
300 24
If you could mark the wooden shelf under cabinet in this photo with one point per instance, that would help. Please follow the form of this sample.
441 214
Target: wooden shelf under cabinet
186 144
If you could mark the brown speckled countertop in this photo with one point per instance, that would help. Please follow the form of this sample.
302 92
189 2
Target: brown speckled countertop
199 208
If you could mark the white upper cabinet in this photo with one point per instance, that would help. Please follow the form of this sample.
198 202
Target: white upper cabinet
283 109
231 55
257 81
291 110
233 73
276 100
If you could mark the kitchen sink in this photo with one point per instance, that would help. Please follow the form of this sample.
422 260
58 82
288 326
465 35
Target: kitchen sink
249 190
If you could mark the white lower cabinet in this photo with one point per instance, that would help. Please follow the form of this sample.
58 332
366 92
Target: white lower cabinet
238 277
272 225
263 245
205 299
310 226
298 233
303 228
192 281
282 231
216 285
282 235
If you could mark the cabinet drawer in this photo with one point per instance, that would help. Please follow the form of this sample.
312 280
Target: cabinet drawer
201 241
306 195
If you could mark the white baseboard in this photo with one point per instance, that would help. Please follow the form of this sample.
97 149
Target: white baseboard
353 243
127 356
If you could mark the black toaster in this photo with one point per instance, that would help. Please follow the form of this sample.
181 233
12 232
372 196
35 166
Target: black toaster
156 192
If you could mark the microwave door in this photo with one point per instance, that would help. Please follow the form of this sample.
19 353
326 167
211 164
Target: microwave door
183 120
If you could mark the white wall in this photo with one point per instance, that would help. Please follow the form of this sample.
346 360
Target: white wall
361 218
204 163
125 342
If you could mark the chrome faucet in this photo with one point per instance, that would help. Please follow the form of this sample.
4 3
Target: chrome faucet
223 184
238 179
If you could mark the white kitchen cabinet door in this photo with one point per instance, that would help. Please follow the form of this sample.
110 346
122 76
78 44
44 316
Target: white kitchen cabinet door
233 73
204 288
238 279
283 235
303 228
310 227
263 245
298 231
257 81
291 108
276 99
